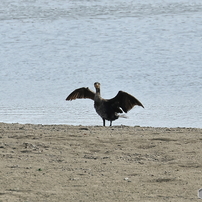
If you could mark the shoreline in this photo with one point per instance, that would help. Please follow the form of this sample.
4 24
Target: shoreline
114 126
96 163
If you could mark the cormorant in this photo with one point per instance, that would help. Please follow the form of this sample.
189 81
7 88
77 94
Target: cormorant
108 109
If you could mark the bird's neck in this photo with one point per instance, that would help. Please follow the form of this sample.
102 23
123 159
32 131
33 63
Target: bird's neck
97 95
98 91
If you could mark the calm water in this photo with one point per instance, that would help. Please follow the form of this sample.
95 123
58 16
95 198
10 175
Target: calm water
151 49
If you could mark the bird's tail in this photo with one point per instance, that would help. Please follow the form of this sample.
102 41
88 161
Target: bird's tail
123 116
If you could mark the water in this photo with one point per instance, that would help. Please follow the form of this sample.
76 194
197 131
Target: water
150 49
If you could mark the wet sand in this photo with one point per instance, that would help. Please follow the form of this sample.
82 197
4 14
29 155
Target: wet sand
86 163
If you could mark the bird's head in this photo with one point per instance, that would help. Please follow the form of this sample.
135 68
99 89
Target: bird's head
97 85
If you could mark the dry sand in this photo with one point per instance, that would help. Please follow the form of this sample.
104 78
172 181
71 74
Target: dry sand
86 163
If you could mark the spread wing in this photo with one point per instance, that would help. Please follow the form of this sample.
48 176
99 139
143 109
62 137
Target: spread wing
81 93
125 101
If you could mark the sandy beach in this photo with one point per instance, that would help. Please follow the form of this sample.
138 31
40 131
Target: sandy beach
95 163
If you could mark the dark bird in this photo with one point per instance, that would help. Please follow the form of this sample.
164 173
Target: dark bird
108 109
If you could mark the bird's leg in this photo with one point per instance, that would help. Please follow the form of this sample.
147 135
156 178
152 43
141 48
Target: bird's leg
103 122
110 123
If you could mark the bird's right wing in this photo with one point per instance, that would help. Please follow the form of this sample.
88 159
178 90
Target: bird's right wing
81 93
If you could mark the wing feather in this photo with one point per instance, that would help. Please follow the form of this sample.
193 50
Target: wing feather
81 93
125 101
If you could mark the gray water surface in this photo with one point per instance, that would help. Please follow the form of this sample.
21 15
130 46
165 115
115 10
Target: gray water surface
150 49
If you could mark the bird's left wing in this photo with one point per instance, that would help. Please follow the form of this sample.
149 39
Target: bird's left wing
125 101
81 93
